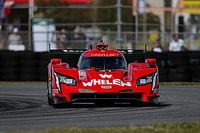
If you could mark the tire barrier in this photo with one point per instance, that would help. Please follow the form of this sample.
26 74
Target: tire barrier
43 61
9 66
194 66
179 66
30 66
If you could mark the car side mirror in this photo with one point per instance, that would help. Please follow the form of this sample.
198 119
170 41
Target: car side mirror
151 62
56 61
93 68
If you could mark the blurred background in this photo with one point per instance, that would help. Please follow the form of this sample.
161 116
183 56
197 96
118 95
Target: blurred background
76 24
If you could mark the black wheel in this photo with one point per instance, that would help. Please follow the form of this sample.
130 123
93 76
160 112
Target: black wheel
50 101
49 94
50 98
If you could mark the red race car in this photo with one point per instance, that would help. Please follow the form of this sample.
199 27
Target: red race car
102 75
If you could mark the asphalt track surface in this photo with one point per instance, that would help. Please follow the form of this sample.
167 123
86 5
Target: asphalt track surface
23 106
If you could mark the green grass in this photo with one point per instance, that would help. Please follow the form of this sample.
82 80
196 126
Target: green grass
159 128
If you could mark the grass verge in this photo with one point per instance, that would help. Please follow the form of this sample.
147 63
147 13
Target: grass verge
158 128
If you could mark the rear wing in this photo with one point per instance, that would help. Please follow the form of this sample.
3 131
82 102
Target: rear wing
80 51
71 56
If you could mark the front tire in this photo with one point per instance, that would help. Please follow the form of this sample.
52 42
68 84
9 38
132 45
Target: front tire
50 101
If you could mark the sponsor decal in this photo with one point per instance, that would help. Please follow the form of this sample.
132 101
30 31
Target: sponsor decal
105 54
106 82
117 82
106 87
82 75
85 91
105 76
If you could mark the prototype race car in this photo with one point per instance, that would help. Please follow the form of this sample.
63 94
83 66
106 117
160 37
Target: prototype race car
102 75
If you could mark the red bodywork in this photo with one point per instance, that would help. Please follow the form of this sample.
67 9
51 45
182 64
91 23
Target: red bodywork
137 81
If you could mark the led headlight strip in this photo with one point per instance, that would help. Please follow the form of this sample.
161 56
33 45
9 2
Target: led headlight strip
145 80
57 82
65 80
154 82
150 79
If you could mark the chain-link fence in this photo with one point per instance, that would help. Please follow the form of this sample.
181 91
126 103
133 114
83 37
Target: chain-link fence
82 37
37 36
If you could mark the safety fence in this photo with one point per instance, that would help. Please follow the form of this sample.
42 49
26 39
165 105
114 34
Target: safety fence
64 26
32 66
71 40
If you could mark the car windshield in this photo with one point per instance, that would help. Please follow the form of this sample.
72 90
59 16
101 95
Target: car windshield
102 63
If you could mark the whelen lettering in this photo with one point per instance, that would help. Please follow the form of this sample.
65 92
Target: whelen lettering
117 82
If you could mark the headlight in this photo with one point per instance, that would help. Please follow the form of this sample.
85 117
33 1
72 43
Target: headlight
65 80
150 79
145 80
